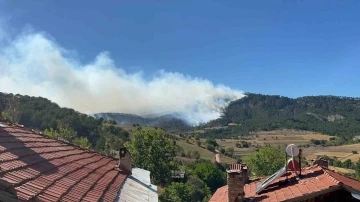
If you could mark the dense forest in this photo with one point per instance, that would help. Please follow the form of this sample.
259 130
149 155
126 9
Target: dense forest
168 122
43 115
331 115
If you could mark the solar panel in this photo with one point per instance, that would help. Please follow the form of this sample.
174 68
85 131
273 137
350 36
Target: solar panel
292 150
270 179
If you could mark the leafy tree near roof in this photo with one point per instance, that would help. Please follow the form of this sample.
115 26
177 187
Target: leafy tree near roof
100 144
198 190
54 134
175 192
194 190
266 161
82 142
66 132
210 173
153 150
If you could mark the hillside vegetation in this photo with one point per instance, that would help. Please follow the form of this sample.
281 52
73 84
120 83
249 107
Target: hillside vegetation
43 115
167 122
330 115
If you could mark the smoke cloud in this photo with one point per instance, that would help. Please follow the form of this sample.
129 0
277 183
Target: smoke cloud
32 63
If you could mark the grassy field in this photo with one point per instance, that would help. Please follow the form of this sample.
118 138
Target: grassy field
342 170
278 137
342 153
132 129
273 138
204 153
231 143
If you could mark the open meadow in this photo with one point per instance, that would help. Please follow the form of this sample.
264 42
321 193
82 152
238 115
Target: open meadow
204 153
341 153
274 138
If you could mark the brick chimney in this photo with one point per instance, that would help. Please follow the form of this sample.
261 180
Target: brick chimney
237 177
125 160
320 162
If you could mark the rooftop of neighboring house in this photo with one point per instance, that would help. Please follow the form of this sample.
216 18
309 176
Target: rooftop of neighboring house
316 183
37 168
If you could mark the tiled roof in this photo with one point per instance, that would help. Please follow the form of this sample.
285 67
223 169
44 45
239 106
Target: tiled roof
355 184
314 180
34 167
221 195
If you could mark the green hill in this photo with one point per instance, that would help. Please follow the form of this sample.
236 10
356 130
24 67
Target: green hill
326 114
331 115
167 122
41 114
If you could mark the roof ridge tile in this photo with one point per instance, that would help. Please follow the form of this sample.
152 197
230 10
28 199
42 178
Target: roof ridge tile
327 174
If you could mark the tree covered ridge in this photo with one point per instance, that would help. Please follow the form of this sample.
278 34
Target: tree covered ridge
56 122
332 115
167 122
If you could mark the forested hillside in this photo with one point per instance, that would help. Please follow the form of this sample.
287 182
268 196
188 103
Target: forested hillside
44 115
331 115
326 114
168 122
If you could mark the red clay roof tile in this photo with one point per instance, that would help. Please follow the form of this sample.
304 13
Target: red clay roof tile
49 170
314 179
355 184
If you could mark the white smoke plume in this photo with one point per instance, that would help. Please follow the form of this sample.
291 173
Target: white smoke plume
32 63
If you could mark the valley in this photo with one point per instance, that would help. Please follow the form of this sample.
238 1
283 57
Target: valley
276 138
321 125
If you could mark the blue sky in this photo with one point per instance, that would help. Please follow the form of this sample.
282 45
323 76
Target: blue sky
291 48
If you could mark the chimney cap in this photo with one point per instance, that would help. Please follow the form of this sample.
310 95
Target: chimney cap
320 162
236 167
319 159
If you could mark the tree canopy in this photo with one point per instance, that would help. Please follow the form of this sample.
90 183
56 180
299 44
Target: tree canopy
212 174
153 150
194 190
266 161
176 191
